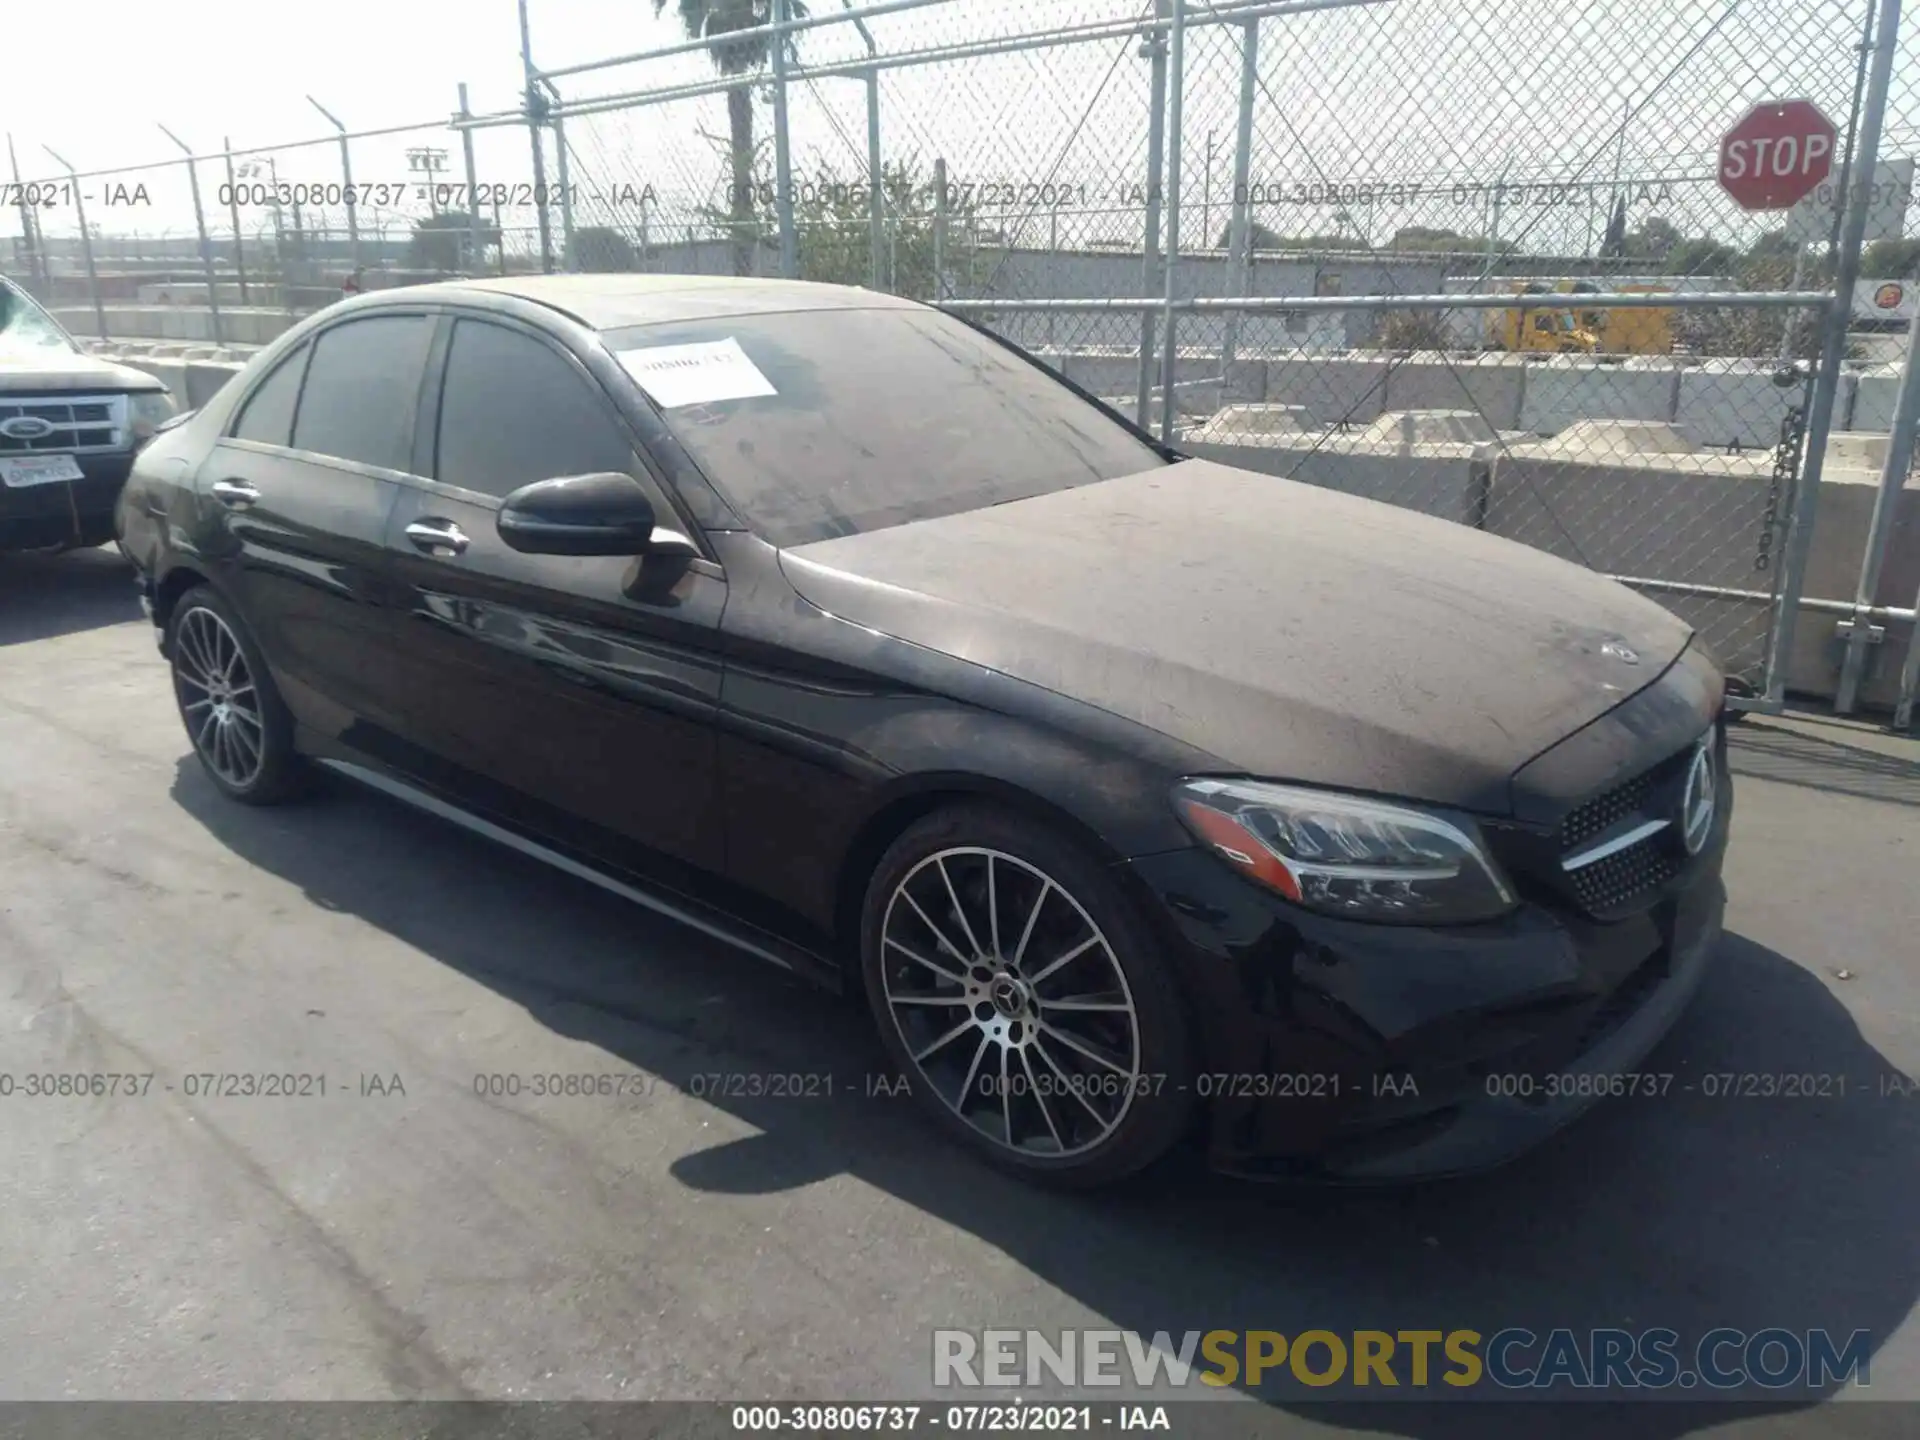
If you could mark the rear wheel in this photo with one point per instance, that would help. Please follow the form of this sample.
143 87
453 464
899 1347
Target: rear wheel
1023 1000
234 716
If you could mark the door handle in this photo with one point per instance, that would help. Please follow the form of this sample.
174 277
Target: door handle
236 494
433 535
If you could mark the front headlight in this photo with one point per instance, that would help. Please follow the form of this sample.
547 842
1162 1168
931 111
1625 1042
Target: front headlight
1346 855
147 411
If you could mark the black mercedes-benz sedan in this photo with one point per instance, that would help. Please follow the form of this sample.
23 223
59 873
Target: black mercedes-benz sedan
1142 799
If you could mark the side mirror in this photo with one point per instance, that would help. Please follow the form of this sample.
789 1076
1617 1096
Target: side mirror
578 515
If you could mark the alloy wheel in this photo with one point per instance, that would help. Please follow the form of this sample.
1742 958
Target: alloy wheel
1011 1002
218 698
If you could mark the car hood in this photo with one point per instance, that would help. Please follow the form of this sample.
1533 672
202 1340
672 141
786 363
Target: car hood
1292 632
44 370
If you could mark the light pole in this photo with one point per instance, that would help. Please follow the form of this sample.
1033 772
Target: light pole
200 226
428 161
346 177
254 170
86 243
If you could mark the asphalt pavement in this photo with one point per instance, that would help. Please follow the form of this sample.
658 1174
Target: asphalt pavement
409 1233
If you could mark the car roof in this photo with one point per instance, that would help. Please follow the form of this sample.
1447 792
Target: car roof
614 302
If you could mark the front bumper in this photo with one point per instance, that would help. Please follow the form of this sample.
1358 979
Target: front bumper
1364 1053
72 512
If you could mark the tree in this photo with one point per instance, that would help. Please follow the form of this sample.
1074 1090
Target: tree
1259 237
710 20
1702 256
597 248
1413 330
833 231
1890 260
439 241
1613 244
1653 240
1426 239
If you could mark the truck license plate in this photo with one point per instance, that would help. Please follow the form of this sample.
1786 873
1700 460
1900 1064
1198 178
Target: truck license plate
19 471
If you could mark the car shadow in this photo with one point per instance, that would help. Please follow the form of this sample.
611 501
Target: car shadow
45 595
1832 765
1689 1211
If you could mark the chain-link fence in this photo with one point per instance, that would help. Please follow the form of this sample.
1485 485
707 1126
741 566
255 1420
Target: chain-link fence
223 247
1475 260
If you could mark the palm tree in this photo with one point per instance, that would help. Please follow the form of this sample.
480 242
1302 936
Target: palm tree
708 20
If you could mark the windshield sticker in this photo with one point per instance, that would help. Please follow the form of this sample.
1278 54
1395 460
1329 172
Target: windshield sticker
677 375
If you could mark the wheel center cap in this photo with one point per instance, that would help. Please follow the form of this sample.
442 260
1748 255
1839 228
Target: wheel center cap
1009 996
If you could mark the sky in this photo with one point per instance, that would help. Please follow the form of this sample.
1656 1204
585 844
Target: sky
1412 110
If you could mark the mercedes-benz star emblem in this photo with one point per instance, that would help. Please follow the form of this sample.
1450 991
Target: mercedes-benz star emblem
1625 654
25 427
1699 800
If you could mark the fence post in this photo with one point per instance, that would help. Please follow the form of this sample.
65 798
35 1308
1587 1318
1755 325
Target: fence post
876 193
1909 674
1053 277
1886 504
86 243
782 150
1240 244
346 180
939 230
1175 101
233 214
1156 48
206 246
536 107
475 237
566 189
36 265
1857 199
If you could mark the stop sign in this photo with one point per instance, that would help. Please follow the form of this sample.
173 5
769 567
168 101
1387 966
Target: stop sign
1776 153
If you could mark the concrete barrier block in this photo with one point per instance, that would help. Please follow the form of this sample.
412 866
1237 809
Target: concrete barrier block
1331 388
1405 429
1858 450
171 373
1727 402
1840 532
1490 385
1117 371
204 380
1557 395
1696 519
1873 398
1629 440
1446 481
1234 423
1246 381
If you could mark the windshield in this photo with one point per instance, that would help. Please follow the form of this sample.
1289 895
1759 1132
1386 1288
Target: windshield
26 329
834 422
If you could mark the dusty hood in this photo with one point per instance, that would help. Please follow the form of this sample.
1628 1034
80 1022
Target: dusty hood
1293 632
49 369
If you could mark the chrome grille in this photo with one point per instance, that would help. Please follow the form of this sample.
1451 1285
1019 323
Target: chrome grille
1600 815
1603 885
1625 874
80 424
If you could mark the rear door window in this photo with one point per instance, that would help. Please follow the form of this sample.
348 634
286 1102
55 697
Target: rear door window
268 414
362 389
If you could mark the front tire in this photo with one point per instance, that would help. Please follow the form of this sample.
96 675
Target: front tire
1023 999
234 716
